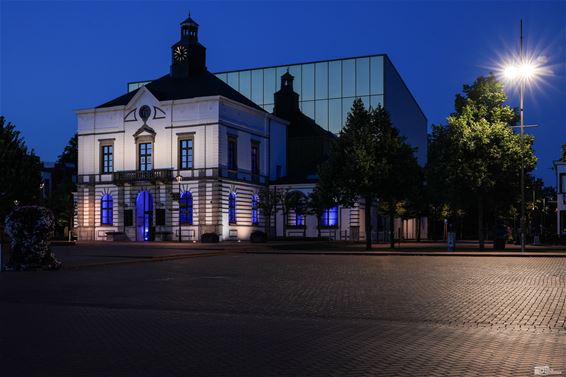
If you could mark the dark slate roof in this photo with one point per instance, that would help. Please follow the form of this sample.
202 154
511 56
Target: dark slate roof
189 20
303 126
202 85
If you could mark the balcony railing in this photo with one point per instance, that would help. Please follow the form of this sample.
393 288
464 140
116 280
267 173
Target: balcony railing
148 175
168 175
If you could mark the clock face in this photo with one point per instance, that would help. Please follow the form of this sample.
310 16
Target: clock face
180 53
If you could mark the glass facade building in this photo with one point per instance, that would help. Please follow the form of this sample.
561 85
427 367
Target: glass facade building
327 89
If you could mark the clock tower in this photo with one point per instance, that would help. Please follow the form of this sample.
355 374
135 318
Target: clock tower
188 56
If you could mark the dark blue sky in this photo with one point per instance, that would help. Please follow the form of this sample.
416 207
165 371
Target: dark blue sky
56 57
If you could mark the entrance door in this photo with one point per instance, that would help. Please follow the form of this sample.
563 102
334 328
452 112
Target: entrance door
144 216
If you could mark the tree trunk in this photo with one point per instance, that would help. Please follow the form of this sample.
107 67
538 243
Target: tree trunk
418 228
367 211
392 224
285 214
481 237
268 226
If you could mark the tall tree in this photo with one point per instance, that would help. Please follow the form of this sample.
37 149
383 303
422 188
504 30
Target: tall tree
267 204
64 184
370 161
477 157
20 170
401 175
318 202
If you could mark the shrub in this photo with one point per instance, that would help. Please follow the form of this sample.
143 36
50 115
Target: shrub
30 229
258 236
209 238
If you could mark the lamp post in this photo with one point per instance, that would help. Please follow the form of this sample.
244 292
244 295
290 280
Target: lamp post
521 72
179 178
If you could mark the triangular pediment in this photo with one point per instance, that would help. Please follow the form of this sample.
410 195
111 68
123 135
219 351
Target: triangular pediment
142 97
144 130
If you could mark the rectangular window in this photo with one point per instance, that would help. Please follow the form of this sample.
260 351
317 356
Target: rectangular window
160 217
232 153
128 217
107 158
186 153
362 77
562 183
245 83
321 80
349 78
295 70
321 113
330 217
335 115
255 157
376 74
257 86
233 80
308 82
335 79
106 210
563 222
269 85
145 153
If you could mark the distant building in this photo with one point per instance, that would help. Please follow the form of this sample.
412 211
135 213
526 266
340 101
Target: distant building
187 154
328 88
560 170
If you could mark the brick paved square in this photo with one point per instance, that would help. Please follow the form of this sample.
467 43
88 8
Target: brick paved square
288 315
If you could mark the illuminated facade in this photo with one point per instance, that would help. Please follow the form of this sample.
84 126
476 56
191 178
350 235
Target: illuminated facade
188 153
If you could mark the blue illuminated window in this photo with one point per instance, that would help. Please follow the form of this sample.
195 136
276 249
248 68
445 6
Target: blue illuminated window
299 218
106 210
186 208
330 217
232 208
255 215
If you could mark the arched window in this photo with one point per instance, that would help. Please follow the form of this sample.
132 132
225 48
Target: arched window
106 209
186 208
232 208
330 217
255 215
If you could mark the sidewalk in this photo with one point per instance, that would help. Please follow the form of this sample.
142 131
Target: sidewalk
464 248
93 254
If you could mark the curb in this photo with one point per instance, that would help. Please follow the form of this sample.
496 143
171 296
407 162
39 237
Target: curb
407 254
146 260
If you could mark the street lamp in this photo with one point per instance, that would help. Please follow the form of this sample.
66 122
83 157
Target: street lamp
179 178
521 72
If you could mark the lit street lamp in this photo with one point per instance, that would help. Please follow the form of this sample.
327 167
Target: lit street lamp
179 178
521 72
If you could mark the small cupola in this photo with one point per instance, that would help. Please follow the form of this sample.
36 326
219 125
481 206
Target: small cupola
188 56
285 99
189 30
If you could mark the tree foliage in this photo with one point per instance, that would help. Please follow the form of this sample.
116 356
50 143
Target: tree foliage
370 161
475 159
63 183
20 170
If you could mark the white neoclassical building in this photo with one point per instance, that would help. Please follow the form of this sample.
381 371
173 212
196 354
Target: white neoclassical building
187 154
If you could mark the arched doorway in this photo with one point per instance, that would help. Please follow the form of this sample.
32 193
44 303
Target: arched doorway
144 216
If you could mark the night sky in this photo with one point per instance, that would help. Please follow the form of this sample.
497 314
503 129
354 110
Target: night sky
56 57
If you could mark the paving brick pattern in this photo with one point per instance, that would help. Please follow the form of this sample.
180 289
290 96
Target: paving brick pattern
271 315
